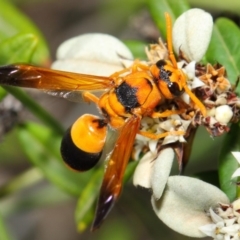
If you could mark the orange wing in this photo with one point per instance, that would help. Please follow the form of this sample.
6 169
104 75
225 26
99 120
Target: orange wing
47 79
112 181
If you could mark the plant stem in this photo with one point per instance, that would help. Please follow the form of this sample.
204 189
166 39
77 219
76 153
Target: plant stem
24 180
36 109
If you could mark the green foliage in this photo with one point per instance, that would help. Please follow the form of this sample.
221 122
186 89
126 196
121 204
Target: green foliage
18 48
137 48
158 8
41 145
228 164
85 207
15 24
4 235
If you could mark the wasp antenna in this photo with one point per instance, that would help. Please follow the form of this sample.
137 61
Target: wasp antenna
169 39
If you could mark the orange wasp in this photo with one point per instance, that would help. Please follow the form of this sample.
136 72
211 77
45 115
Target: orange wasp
132 94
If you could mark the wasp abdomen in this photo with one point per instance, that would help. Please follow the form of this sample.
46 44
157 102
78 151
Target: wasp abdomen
83 142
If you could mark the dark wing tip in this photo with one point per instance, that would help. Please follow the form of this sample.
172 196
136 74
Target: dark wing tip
104 206
7 71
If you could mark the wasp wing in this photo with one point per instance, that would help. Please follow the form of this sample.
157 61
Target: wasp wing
28 76
112 181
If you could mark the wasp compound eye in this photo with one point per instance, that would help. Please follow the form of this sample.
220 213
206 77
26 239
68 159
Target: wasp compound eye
161 63
174 89
168 75
82 144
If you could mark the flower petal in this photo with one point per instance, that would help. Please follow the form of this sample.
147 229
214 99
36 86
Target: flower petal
143 171
93 53
184 202
192 33
208 229
236 173
237 156
161 170
214 216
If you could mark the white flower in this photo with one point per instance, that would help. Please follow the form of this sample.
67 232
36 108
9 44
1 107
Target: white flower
92 53
224 226
223 114
161 171
174 123
192 33
237 172
143 171
153 171
190 69
192 81
184 202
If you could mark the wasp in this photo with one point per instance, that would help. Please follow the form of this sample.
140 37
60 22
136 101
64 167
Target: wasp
130 95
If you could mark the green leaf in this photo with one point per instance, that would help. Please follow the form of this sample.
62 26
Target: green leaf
41 196
224 48
19 48
209 177
42 146
85 207
231 6
130 170
227 163
137 48
3 93
4 234
13 22
157 8
117 12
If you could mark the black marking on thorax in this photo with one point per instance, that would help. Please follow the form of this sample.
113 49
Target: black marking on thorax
126 95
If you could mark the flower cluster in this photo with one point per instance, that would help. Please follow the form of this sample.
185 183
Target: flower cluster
175 199
225 222
220 98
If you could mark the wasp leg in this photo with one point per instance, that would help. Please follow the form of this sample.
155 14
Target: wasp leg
133 68
89 97
195 100
166 113
138 65
160 135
